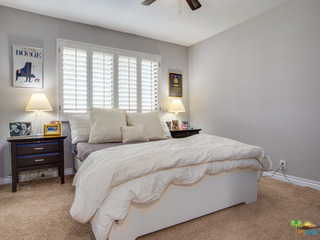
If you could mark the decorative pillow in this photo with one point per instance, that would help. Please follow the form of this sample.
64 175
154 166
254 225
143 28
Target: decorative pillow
80 127
150 121
165 129
105 125
133 134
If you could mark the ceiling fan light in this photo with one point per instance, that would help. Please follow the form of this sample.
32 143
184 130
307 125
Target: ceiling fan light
194 4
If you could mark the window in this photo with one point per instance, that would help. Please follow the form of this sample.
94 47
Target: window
106 78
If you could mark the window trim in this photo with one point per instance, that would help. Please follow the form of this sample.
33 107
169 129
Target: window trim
116 52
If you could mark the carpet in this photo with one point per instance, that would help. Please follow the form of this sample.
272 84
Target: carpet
40 210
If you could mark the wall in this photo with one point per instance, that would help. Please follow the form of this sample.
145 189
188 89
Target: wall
259 83
28 29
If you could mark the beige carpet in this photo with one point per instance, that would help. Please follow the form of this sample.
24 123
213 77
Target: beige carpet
40 210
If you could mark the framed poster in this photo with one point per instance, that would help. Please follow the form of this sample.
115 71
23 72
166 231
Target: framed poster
27 67
175 85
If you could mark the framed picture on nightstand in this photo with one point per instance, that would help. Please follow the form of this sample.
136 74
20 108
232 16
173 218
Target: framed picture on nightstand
20 129
175 124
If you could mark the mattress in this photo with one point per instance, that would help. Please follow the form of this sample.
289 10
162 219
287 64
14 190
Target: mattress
84 149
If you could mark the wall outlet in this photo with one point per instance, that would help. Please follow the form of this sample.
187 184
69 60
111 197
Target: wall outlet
283 165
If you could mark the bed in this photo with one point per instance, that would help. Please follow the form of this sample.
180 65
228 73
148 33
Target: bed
128 190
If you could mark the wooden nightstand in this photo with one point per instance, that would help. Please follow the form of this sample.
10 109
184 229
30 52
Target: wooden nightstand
36 152
184 133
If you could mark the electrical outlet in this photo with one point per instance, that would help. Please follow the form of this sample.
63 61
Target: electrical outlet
283 165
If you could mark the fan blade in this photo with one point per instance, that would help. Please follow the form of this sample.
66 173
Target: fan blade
194 4
147 2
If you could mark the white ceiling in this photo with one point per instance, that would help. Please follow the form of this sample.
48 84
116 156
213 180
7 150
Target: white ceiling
166 20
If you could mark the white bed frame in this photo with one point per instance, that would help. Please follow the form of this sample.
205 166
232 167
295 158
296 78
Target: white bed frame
182 203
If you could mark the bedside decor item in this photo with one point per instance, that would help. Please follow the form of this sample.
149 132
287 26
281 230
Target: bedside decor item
52 129
38 103
34 153
184 125
176 106
169 125
27 67
20 129
175 85
175 124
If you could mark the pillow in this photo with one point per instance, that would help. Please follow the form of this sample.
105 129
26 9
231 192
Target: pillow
151 123
105 125
133 134
165 129
80 127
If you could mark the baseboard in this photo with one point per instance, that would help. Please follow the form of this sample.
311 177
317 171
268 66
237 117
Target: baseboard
67 171
295 180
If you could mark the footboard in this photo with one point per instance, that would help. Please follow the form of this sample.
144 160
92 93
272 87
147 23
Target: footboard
183 203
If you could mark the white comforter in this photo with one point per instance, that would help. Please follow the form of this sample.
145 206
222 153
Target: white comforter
110 179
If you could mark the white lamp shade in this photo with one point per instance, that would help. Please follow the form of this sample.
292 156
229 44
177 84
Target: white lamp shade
38 102
176 106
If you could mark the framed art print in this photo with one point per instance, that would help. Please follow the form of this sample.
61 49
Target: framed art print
27 67
175 85
52 129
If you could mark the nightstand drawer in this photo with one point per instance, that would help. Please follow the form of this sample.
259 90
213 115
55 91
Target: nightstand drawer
37 159
35 148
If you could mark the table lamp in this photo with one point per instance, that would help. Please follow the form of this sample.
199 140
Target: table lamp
38 103
176 106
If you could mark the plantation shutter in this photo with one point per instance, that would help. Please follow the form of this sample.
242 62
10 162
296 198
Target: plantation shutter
74 79
102 79
149 85
127 83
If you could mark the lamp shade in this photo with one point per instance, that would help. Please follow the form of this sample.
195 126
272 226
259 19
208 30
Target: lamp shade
38 102
176 106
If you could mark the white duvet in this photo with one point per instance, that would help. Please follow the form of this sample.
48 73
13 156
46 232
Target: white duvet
110 179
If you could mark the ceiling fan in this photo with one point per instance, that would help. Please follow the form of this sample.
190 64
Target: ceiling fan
194 4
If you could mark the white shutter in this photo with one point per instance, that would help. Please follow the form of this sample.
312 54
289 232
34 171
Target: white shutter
102 79
127 83
149 85
74 80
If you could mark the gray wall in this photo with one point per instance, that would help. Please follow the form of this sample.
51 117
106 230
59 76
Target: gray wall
28 29
259 83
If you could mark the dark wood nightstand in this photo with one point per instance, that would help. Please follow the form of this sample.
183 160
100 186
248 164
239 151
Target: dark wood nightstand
36 152
184 133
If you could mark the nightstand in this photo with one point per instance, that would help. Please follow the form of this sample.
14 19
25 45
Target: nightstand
184 133
36 152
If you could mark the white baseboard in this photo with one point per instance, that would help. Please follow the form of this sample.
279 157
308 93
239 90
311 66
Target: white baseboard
54 173
295 180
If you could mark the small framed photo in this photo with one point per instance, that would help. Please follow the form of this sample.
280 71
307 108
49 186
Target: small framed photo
52 129
169 125
55 122
20 129
184 125
175 125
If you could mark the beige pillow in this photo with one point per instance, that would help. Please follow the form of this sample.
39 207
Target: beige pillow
105 125
151 123
133 134
80 127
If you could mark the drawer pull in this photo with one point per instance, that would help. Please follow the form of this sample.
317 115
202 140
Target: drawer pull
38 148
39 160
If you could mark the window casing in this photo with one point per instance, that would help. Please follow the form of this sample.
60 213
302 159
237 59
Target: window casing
95 76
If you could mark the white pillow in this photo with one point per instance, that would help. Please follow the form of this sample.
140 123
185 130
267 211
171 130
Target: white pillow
165 129
133 134
151 124
80 127
105 125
